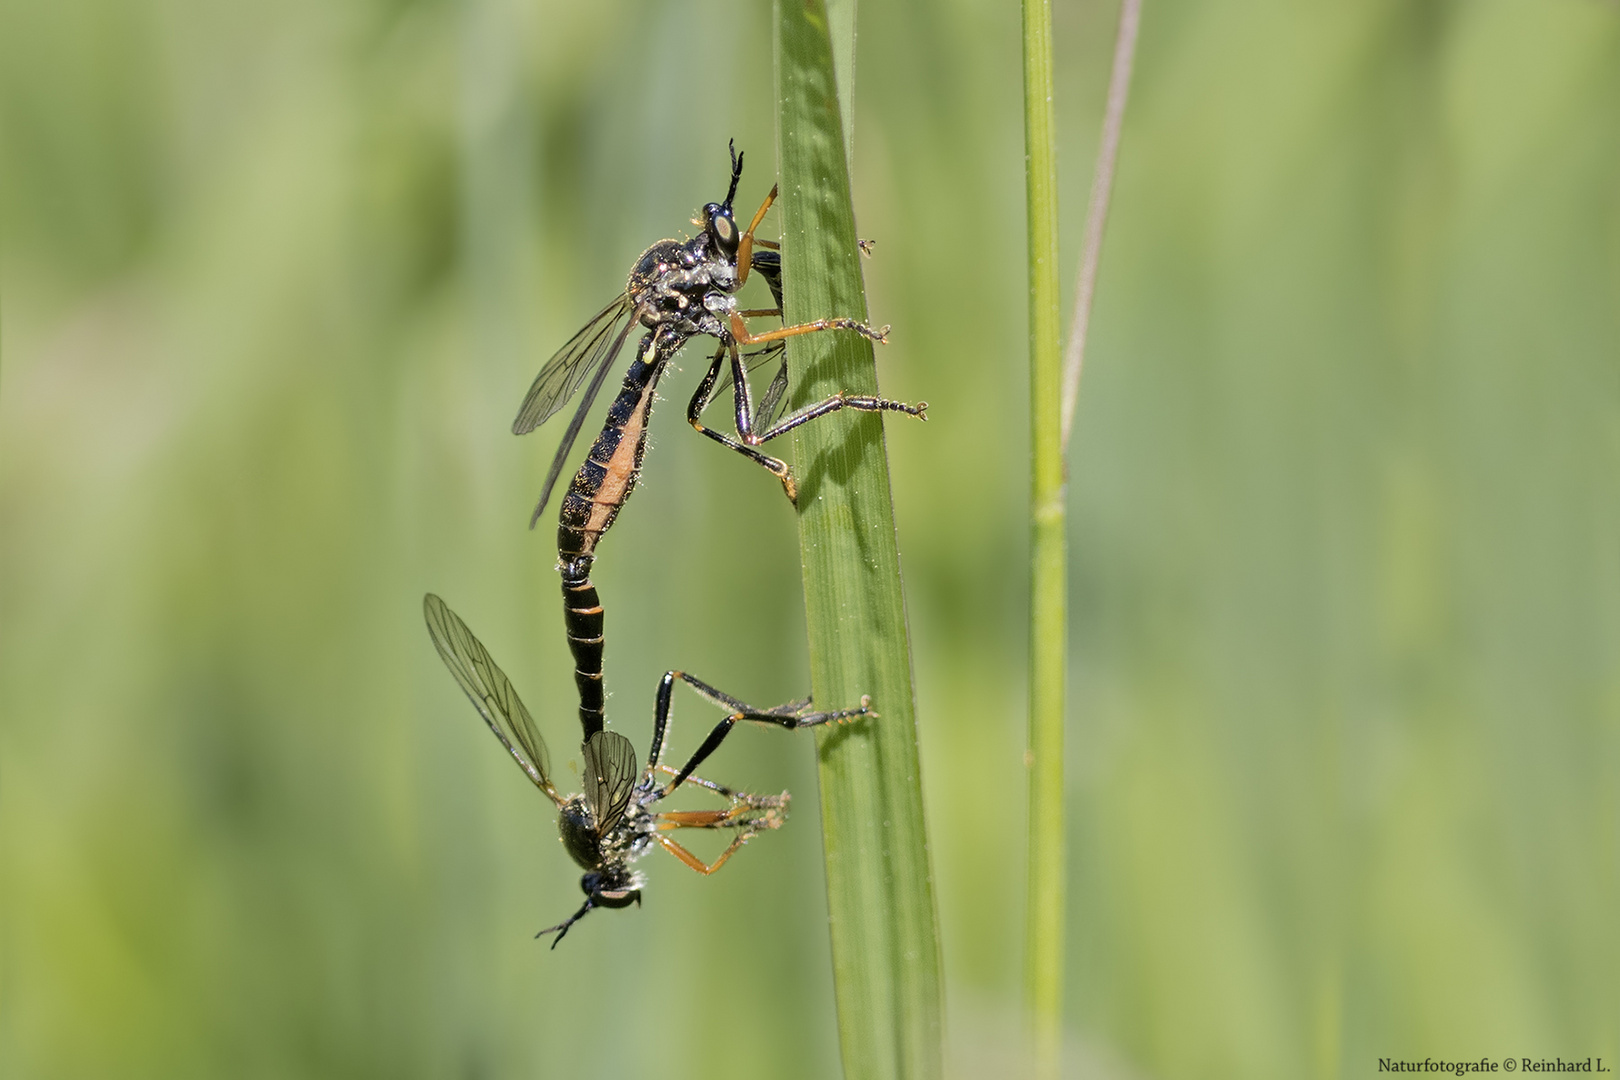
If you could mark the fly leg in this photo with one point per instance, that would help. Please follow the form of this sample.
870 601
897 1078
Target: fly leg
743 337
841 400
737 798
790 716
698 864
701 401
745 247
750 813
756 815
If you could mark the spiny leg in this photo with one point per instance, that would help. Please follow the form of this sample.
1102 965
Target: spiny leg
705 396
754 812
744 405
696 819
696 863
747 810
790 714
841 400
740 332
719 789
787 716
742 394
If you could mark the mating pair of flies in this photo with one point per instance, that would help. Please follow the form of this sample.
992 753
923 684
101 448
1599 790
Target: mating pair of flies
677 290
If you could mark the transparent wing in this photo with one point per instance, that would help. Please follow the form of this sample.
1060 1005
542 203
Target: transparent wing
772 404
610 776
563 373
490 692
567 442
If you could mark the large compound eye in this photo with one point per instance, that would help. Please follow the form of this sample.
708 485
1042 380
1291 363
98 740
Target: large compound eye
722 227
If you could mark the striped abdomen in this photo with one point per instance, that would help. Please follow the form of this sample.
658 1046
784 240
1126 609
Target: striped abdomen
582 618
611 469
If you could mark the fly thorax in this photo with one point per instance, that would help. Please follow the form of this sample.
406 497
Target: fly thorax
719 303
624 832
724 276
655 264
642 839
577 828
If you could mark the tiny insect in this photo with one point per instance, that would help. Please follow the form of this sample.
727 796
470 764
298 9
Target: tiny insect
611 823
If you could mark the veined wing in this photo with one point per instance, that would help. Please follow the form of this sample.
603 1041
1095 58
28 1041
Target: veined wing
564 372
773 402
567 443
611 772
490 692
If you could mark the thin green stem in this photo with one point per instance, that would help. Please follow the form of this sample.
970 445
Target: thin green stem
1048 631
885 945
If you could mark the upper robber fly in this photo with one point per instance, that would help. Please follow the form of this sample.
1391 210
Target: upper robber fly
679 290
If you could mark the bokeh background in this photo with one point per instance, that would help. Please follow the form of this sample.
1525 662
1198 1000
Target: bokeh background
1345 723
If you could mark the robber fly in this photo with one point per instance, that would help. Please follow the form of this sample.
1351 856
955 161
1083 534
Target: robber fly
611 824
677 290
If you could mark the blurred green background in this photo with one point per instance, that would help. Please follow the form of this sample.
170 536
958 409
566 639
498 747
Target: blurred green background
1345 721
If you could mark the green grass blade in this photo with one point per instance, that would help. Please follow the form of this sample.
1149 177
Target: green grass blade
885 944
1048 608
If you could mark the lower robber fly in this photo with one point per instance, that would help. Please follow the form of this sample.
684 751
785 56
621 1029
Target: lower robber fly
612 822
677 291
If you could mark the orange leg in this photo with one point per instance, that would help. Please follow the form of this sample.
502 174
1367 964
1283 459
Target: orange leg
745 248
746 810
743 337
696 819
696 863
751 812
